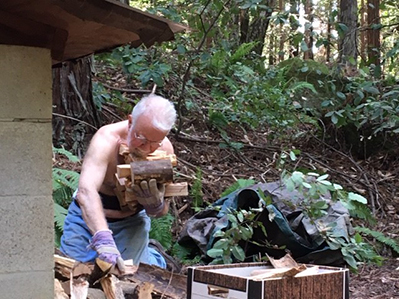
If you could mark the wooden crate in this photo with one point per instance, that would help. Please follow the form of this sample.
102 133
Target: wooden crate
235 282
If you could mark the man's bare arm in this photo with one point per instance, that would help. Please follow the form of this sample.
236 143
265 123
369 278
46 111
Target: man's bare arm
92 176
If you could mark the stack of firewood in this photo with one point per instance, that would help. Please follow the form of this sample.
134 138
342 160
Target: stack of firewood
79 281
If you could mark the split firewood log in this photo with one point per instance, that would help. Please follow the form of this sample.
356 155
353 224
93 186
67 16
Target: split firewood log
59 292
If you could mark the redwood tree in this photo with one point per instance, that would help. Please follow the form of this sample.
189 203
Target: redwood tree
348 29
253 28
373 32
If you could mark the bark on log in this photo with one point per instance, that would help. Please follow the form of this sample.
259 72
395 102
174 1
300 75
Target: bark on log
160 170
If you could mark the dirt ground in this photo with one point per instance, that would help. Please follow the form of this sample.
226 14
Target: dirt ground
221 167
374 282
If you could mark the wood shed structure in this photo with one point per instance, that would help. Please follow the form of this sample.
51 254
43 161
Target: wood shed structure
36 35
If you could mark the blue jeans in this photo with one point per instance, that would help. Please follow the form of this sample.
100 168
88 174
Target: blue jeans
130 235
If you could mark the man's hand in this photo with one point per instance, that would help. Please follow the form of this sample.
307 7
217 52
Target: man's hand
151 196
104 244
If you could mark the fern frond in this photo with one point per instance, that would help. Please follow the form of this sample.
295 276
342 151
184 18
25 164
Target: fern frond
218 60
380 237
161 230
65 177
239 184
298 86
185 255
362 211
218 119
243 50
71 157
59 216
57 237
63 196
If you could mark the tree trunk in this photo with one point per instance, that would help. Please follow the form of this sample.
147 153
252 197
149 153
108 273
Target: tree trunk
244 25
348 40
282 34
75 117
329 29
294 9
272 50
256 30
363 25
373 33
309 30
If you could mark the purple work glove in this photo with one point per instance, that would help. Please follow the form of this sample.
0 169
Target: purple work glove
150 195
104 244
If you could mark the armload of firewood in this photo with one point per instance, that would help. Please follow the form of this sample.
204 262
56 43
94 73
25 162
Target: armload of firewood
157 165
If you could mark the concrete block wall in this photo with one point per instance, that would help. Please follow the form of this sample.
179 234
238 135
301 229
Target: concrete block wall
26 206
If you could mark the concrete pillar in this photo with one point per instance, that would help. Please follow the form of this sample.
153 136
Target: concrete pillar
26 205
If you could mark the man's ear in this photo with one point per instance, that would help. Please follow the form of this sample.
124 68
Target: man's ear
129 120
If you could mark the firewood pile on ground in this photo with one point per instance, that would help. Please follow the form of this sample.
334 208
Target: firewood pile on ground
83 280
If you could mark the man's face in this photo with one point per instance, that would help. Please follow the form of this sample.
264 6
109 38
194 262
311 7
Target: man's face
143 138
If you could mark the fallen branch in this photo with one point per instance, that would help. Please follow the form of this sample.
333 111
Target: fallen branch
128 90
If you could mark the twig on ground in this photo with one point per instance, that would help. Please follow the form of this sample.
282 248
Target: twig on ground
170 281
209 141
111 112
183 208
128 90
75 119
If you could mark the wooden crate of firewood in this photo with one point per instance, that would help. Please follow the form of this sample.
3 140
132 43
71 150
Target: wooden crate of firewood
262 281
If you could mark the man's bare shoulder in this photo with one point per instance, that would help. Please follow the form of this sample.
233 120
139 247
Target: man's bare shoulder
115 131
167 146
106 140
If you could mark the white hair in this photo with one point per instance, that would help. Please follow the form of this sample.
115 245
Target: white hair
160 111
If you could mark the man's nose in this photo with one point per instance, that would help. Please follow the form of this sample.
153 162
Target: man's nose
146 147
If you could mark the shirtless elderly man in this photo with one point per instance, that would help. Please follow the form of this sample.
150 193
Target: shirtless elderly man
95 225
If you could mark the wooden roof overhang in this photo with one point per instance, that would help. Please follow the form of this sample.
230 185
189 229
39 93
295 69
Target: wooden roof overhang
76 28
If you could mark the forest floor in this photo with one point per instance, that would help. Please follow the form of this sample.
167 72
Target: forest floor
198 147
221 167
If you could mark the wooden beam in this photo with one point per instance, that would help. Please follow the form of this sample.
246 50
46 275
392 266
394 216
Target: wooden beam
15 30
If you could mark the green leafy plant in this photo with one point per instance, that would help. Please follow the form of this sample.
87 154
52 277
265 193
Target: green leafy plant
228 247
380 237
196 191
161 230
317 192
100 95
315 189
143 64
64 182
354 249
239 184
184 255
